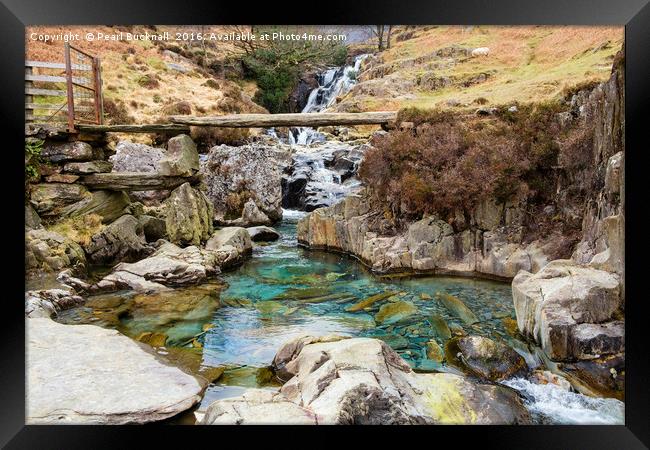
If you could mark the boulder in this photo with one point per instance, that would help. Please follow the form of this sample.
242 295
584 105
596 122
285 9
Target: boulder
84 374
132 157
485 358
603 377
189 216
251 215
552 305
32 221
47 303
108 204
58 152
154 227
50 251
262 233
50 198
169 266
234 175
334 380
232 244
257 407
122 240
84 168
181 157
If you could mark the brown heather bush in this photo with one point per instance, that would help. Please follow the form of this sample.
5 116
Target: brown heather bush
206 137
177 108
149 80
454 164
115 112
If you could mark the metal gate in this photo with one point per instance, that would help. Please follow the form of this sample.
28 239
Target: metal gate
77 82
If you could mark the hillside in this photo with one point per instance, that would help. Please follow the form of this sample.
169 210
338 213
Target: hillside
144 81
432 66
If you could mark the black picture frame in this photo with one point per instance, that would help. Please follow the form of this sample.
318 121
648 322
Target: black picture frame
634 14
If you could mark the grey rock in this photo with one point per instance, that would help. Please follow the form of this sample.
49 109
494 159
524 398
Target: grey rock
181 157
47 303
32 221
169 266
154 228
122 240
262 233
335 380
49 199
553 303
83 168
84 374
51 251
132 157
232 244
57 152
108 204
486 358
251 170
189 216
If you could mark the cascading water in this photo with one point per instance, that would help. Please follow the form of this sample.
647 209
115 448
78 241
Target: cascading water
332 83
323 170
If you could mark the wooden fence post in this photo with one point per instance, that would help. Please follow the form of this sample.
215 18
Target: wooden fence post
99 100
68 73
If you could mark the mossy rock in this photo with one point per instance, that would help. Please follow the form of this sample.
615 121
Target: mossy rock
485 358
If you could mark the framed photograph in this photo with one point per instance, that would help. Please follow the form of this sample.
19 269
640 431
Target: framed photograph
318 221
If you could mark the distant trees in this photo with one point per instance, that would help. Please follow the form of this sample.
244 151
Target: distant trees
276 64
382 32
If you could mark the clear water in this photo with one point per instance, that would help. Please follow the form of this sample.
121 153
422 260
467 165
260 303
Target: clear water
284 291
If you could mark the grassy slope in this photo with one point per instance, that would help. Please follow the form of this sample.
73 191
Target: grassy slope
125 63
526 64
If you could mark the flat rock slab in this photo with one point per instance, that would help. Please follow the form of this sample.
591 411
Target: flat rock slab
84 374
135 181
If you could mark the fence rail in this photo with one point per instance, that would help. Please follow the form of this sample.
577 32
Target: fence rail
64 93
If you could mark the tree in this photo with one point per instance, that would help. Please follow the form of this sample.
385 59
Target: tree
383 35
276 64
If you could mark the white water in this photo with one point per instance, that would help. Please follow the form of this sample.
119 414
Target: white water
551 404
332 83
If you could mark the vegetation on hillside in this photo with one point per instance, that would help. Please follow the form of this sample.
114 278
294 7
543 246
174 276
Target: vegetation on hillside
432 66
450 162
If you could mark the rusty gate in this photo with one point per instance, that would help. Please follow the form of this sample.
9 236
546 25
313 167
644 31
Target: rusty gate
65 93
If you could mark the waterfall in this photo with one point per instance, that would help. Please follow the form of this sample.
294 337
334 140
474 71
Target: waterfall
322 171
331 84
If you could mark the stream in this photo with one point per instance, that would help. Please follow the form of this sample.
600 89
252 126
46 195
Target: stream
285 291
228 330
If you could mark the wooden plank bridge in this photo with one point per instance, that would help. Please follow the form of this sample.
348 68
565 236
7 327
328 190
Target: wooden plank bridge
181 124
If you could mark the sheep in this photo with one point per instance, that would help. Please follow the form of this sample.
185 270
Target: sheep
481 51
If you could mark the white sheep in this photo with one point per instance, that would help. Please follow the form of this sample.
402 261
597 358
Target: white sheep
481 51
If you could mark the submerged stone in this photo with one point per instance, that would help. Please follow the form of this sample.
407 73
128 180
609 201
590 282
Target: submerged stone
370 301
457 307
434 351
440 327
394 312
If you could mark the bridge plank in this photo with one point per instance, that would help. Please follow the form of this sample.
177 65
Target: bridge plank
288 120
171 128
